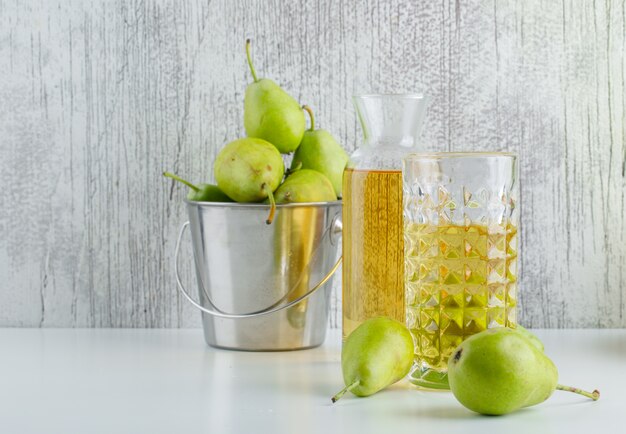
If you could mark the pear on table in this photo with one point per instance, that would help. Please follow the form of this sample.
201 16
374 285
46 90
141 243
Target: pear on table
530 336
249 170
377 354
271 114
501 370
320 151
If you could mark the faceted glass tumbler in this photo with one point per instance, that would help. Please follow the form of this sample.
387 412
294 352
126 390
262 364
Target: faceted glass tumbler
461 218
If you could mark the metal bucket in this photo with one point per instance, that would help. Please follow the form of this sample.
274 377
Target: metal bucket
263 287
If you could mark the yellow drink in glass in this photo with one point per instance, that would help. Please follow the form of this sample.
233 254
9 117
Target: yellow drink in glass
461 248
459 281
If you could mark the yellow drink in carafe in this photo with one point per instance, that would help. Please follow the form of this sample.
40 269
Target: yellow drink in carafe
460 280
373 247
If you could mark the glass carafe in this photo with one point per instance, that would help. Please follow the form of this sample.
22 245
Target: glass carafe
373 247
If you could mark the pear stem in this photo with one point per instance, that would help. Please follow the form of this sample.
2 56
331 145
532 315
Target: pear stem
250 61
179 179
270 195
343 391
595 395
310 112
297 167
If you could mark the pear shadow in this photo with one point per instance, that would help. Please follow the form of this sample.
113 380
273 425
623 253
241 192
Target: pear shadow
452 411
443 412
583 401
346 400
459 412
407 385
350 399
613 346
320 386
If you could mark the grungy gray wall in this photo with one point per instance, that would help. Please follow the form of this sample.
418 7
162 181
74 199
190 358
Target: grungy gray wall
98 97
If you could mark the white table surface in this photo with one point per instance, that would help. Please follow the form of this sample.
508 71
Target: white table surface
169 381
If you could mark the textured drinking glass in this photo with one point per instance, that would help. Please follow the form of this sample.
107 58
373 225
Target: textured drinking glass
461 221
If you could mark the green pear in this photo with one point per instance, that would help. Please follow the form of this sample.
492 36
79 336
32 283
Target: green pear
375 355
271 114
249 170
201 192
499 370
320 151
305 185
530 336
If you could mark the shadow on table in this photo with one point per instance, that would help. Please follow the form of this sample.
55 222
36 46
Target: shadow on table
442 412
612 346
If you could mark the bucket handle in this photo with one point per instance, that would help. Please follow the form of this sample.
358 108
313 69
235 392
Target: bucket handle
216 312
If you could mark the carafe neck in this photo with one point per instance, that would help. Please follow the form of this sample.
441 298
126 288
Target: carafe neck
391 121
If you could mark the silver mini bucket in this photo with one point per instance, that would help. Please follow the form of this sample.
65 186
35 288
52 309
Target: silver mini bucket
263 287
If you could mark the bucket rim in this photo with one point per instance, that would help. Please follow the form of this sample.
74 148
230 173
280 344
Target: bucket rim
263 205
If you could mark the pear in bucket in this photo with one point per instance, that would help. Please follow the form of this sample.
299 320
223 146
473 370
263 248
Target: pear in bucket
270 113
201 192
377 354
249 170
320 151
501 370
305 185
